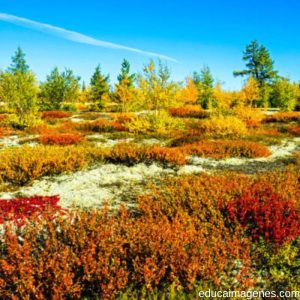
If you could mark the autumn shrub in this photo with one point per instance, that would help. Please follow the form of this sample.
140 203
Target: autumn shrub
60 139
177 236
3 117
251 116
283 117
295 130
55 114
18 210
159 122
223 149
19 166
131 154
263 213
188 111
102 125
221 126
277 267
96 254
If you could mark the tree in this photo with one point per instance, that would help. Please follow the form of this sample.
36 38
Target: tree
259 64
284 94
99 89
205 84
189 94
157 89
250 93
19 88
18 63
125 73
125 91
59 88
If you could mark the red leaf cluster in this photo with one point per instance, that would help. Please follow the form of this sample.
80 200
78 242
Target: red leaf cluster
19 209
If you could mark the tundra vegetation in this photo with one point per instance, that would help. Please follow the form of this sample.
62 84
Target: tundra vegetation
220 209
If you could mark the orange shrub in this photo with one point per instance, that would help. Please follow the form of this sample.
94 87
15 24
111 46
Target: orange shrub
131 154
178 235
95 254
188 111
3 118
60 139
283 117
223 149
295 130
102 125
55 114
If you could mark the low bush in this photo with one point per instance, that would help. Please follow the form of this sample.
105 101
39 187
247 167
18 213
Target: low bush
251 116
295 130
55 114
63 139
189 111
18 210
131 154
223 149
264 213
102 125
180 235
283 117
19 166
221 126
160 123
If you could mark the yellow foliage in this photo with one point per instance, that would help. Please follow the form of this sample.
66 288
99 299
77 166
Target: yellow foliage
220 126
159 122
251 116
250 92
189 94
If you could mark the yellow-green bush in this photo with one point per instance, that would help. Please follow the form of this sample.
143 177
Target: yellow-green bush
159 122
21 165
221 126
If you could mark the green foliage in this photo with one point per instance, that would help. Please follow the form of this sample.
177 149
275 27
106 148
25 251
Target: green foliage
259 64
99 89
205 82
18 63
18 88
278 269
125 73
58 88
283 94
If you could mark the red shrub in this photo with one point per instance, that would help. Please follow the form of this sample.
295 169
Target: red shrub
188 111
19 209
60 139
264 213
103 125
295 130
55 114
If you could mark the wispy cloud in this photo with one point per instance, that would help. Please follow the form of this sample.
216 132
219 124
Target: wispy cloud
75 36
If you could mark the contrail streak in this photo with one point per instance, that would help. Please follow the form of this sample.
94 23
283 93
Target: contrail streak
75 36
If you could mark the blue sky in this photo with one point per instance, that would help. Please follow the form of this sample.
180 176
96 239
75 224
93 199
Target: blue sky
195 33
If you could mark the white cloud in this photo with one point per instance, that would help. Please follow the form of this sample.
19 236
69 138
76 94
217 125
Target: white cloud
75 36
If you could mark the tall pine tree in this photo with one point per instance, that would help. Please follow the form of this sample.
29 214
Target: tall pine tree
18 63
99 88
259 64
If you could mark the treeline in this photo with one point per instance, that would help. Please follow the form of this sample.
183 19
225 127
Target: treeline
152 89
